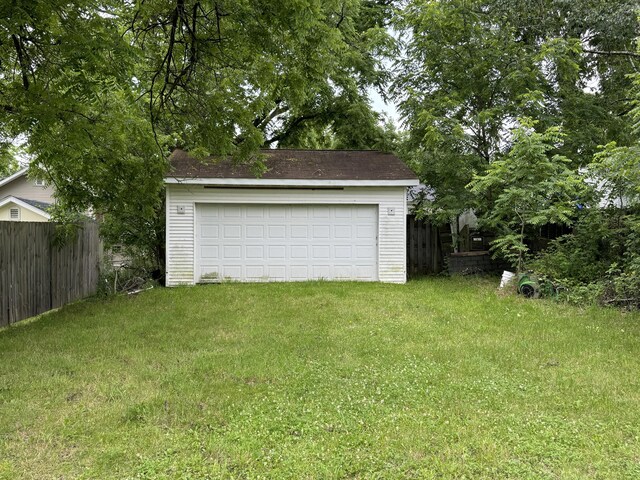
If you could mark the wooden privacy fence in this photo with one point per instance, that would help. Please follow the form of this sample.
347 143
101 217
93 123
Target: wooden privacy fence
425 247
37 274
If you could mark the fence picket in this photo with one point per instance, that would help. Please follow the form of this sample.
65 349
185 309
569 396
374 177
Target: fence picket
37 275
423 253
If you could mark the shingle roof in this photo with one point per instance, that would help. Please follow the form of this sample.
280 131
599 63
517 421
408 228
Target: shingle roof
298 165
44 206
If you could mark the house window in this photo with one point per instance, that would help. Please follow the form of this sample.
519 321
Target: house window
14 213
39 182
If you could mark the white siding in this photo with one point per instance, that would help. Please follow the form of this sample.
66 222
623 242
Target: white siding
181 226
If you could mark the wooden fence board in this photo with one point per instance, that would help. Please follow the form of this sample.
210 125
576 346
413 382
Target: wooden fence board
424 252
37 274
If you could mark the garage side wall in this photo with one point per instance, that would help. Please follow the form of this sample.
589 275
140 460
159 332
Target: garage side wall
181 206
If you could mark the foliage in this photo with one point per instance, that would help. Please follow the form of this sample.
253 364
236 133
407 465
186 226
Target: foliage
455 91
601 256
583 282
473 67
125 277
102 91
8 162
616 172
582 256
246 74
598 261
527 188
321 380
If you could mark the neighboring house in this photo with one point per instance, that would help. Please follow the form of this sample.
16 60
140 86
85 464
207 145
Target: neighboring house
23 210
313 215
24 199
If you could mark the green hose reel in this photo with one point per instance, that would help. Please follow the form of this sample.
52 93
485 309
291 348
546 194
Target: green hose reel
534 286
528 285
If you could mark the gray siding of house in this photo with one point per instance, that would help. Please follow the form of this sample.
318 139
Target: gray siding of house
24 187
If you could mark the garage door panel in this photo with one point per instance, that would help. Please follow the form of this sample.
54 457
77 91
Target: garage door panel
299 231
286 242
365 231
213 213
231 271
210 231
209 252
255 232
277 252
343 271
321 212
277 231
277 212
254 252
321 272
232 232
343 213
342 231
321 231
277 272
320 252
299 272
364 251
299 251
231 211
360 213
231 252
362 273
255 211
300 212
255 272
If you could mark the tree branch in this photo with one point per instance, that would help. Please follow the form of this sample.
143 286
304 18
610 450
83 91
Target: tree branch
290 128
24 69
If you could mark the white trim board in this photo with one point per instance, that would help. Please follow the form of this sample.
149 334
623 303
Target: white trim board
276 182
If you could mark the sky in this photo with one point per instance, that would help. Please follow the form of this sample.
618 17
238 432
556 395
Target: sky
389 109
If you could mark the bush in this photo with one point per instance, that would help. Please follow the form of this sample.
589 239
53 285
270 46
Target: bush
622 287
582 256
125 278
599 262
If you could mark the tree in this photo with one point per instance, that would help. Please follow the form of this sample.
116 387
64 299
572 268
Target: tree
473 67
102 91
531 188
8 161
249 74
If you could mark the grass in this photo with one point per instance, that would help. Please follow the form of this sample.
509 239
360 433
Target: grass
439 378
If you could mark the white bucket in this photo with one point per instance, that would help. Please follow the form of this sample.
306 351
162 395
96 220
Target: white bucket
507 278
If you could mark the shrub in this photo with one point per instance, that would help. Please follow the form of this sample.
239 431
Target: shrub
598 262
125 278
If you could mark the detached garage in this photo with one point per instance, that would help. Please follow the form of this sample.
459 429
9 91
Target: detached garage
330 215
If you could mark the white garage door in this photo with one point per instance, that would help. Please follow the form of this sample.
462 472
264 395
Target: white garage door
286 242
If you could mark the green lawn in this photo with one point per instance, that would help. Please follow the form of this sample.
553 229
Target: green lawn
439 378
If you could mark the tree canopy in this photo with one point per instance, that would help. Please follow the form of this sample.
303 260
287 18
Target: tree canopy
102 91
473 67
